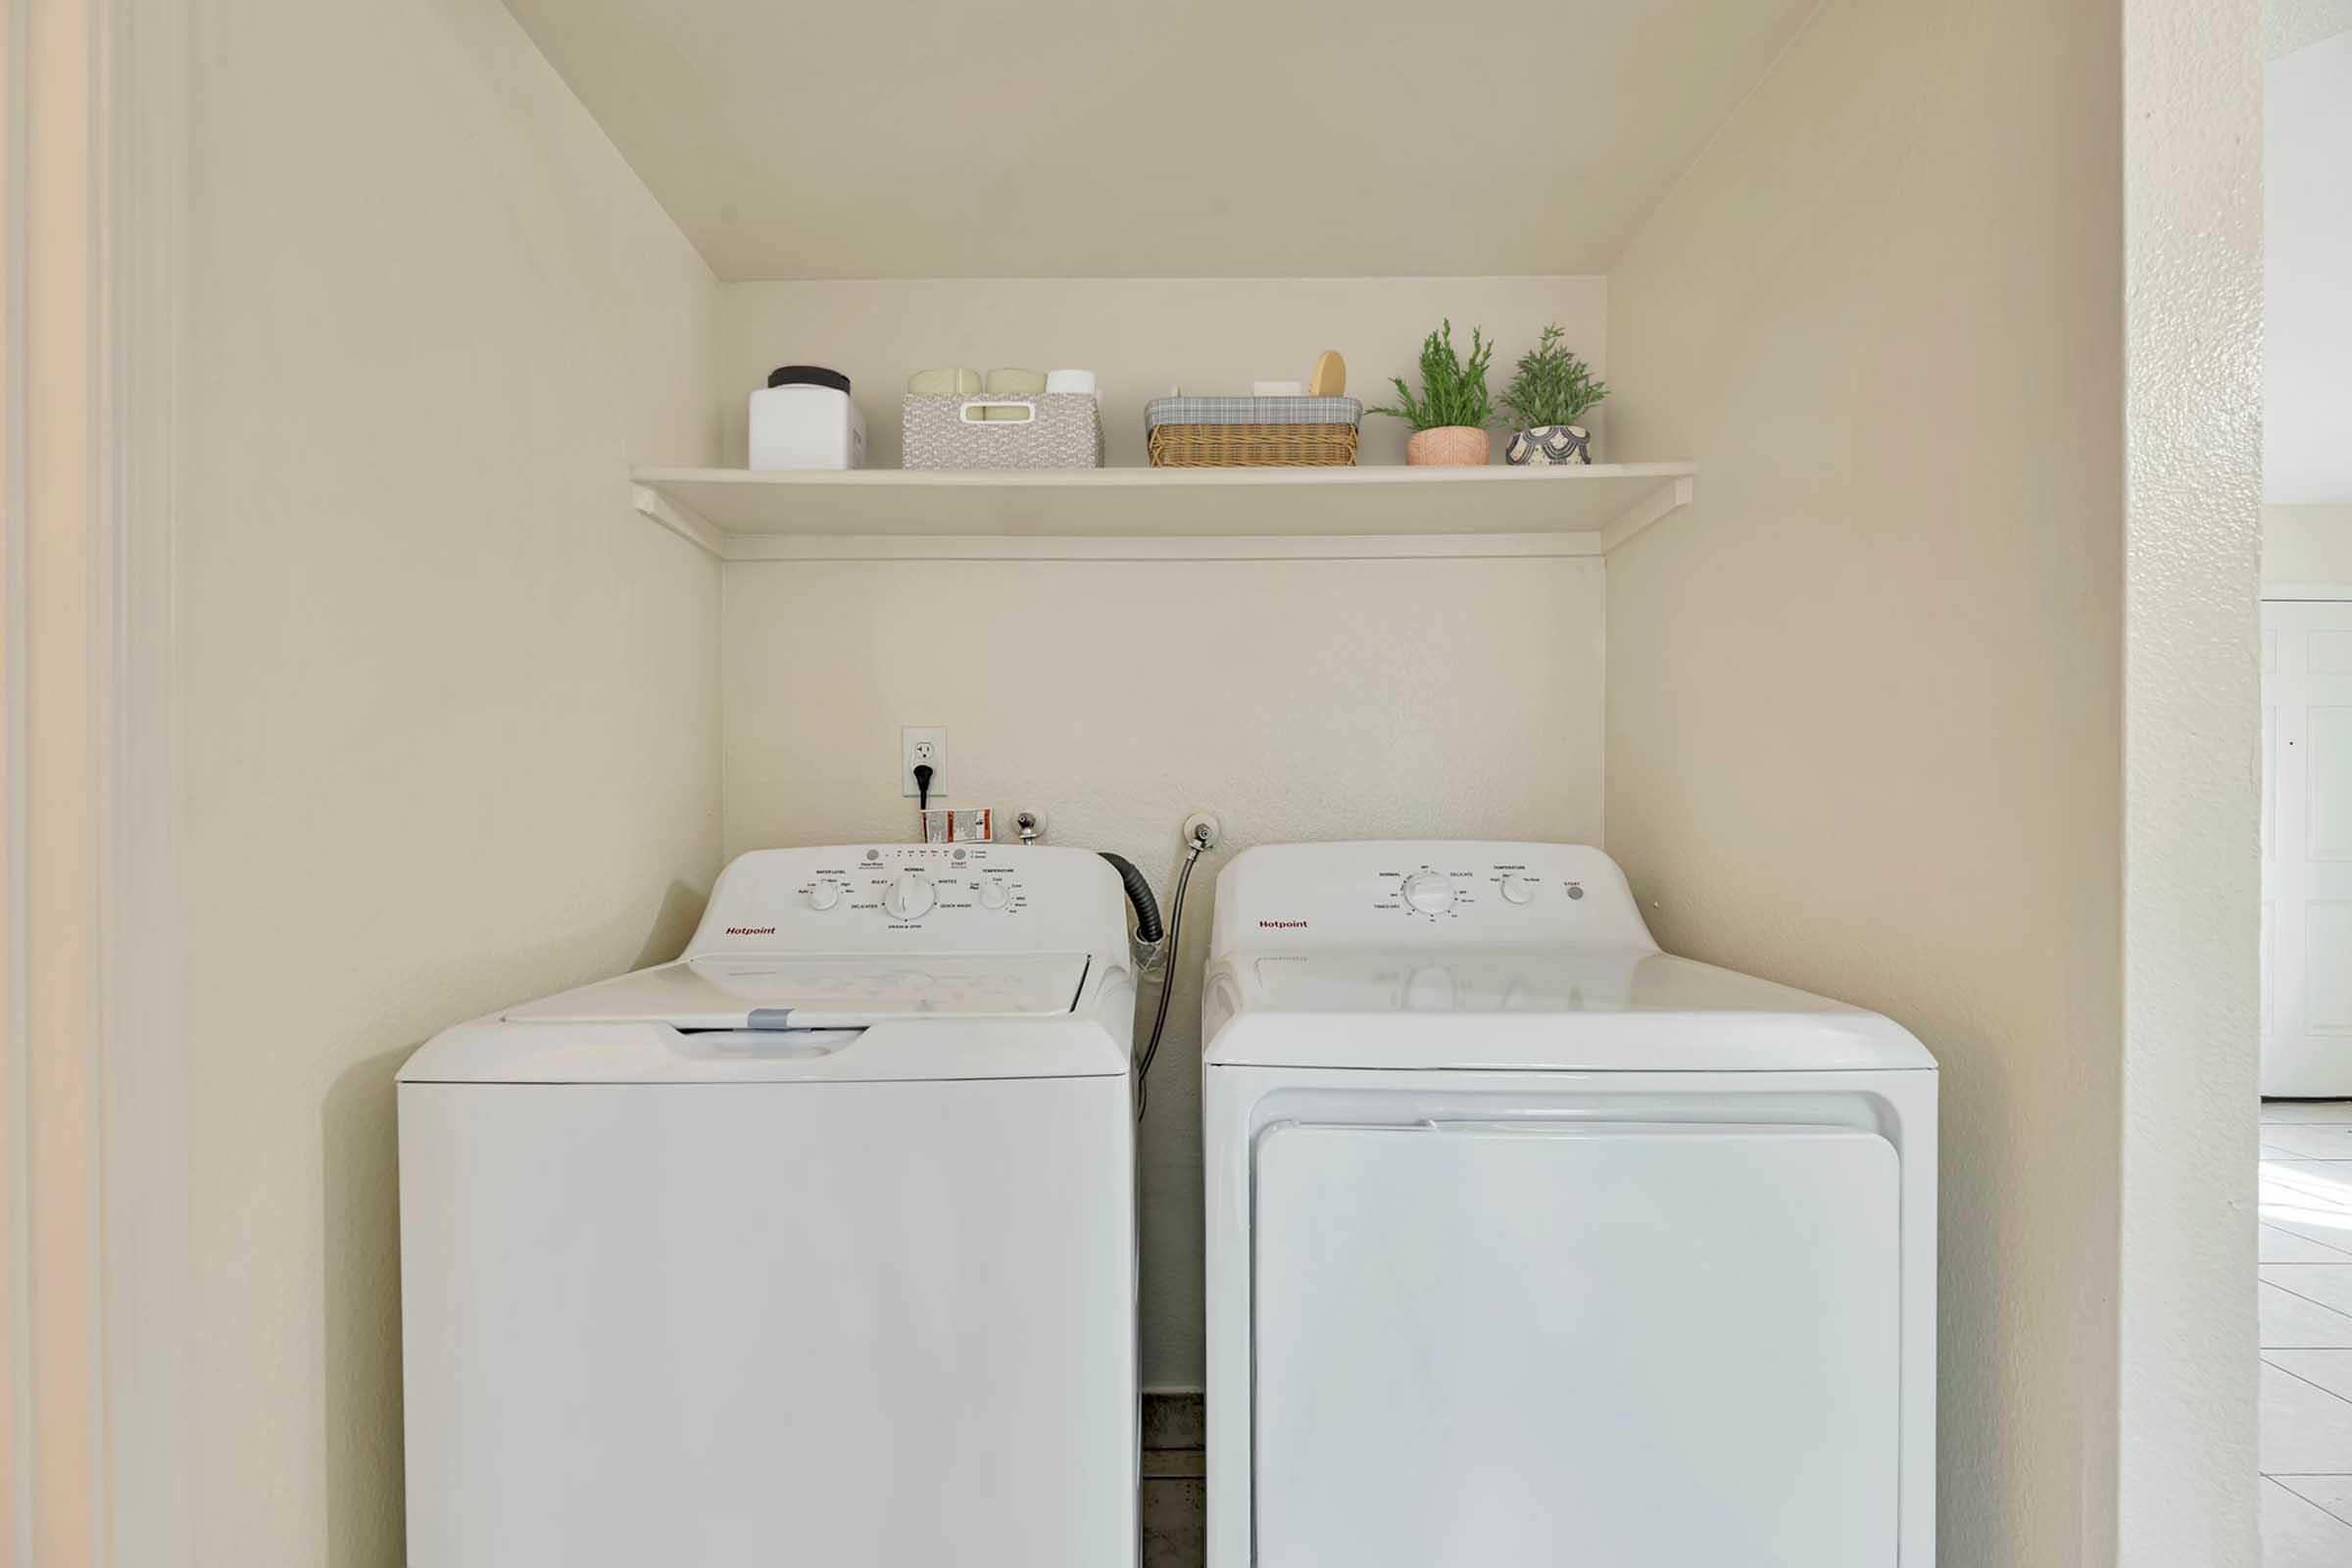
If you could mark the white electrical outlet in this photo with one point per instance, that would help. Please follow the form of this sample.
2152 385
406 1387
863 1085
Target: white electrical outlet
920 744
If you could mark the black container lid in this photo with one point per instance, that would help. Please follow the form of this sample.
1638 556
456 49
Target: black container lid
809 376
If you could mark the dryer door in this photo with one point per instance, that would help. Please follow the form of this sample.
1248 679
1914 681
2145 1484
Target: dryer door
1639 1345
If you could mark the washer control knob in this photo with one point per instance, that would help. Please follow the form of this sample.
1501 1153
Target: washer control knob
1429 891
909 896
1518 888
993 895
824 893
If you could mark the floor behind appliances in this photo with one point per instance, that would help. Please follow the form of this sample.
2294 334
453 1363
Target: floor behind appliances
1528 1243
815 1245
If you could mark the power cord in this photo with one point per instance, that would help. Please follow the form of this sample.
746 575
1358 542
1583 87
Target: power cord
922 786
1193 848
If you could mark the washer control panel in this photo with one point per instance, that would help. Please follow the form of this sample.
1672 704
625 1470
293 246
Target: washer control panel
1361 895
908 883
942 898
908 890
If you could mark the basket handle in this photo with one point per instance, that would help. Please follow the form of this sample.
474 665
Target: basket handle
1029 410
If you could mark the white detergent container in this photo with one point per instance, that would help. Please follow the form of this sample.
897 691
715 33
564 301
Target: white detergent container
814 1247
1531 1243
804 419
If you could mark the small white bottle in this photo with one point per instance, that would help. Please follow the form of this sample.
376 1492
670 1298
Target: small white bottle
804 419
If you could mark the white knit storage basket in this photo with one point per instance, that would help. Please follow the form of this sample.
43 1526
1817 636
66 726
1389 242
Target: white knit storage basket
1063 431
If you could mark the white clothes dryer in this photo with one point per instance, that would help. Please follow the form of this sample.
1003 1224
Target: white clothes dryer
1528 1243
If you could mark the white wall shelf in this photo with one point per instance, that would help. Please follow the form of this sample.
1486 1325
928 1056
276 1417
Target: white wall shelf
1162 514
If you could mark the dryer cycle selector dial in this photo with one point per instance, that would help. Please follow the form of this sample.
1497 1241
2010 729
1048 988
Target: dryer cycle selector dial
909 896
1428 892
824 893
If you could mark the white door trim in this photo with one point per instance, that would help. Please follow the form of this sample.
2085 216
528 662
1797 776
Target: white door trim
2167 1469
2291 592
94 1219
53 672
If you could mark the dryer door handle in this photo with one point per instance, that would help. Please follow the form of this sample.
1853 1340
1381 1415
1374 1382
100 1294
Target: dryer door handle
1609 1126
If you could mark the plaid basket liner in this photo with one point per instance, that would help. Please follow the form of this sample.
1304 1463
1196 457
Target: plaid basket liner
1252 411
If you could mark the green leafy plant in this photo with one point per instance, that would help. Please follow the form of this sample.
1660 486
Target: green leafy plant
1552 386
1451 392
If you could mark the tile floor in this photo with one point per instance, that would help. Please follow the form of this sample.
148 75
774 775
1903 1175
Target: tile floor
2306 1292
1175 1499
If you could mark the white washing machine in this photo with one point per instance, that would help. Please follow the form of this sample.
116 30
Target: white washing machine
817 1245
1528 1243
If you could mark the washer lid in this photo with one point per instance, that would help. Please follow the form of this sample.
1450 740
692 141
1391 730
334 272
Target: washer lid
1538 1007
811 991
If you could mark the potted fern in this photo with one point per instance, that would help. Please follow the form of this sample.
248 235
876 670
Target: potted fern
1552 391
1450 416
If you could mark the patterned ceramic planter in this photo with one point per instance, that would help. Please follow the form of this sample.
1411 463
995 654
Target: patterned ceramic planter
1549 444
1454 446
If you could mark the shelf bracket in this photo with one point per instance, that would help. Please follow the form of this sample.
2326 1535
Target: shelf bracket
684 522
1663 502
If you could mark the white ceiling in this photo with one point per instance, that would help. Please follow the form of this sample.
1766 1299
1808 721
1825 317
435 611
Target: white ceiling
2292 24
1071 139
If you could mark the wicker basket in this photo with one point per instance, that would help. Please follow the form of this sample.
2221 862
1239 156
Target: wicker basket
1252 432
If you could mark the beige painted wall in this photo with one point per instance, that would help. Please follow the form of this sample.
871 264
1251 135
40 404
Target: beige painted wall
2307 544
1138 335
448 709
1865 696
452 733
1300 700
1116 697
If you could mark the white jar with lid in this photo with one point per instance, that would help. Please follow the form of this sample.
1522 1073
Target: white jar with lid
804 419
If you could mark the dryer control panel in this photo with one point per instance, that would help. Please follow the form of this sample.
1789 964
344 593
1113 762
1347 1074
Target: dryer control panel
1403 894
929 897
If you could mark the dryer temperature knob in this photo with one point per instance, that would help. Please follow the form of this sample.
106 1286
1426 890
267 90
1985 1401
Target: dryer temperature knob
1518 888
909 896
1429 891
993 895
